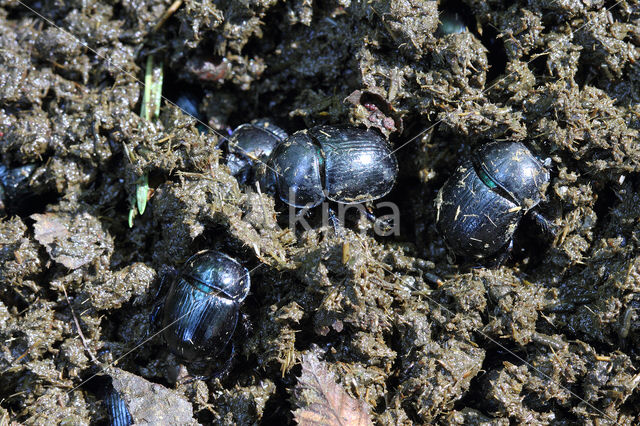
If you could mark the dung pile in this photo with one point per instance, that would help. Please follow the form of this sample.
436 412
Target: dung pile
552 335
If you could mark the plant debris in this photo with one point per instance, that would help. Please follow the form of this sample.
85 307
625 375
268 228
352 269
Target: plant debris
150 403
322 401
71 239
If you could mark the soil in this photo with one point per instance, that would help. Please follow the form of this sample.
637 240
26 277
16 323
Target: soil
550 336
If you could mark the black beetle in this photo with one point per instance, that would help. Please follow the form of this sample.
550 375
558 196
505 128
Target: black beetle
481 205
2 199
450 23
117 408
201 309
344 164
250 142
15 181
15 193
188 103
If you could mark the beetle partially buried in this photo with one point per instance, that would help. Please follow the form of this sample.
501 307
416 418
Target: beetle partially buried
202 306
344 164
482 203
119 414
250 143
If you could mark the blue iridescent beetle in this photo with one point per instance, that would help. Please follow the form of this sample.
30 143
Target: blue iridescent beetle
202 306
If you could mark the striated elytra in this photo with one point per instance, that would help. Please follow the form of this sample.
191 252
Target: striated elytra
250 143
202 306
117 408
482 203
344 164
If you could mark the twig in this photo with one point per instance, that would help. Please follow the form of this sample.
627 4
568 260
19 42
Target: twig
75 319
167 14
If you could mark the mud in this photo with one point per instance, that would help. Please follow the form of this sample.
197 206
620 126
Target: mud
551 336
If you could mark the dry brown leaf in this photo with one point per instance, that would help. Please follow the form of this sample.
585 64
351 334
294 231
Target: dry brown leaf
49 227
71 239
322 401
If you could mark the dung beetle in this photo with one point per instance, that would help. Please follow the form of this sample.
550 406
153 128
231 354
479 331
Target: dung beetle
16 196
450 23
344 164
117 408
188 103
2 200
249 143
201 309
16 180
480 206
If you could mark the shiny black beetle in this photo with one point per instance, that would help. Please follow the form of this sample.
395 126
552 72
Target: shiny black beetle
250 143
117 408
481 205
14 187
344 164
188 103
201 309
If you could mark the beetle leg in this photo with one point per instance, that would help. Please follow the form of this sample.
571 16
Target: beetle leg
547 228
433 279
190 379
167 277
226 368
335 222
502 257
370 216
384 225
153 316
246 324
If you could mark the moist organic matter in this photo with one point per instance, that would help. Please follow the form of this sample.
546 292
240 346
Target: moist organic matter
551 336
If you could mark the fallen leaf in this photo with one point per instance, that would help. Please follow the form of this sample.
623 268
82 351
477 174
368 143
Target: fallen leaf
49 227
322 401
151 403
71 239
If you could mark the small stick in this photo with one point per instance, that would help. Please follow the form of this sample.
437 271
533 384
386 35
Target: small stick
25 353
75 319
167 14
